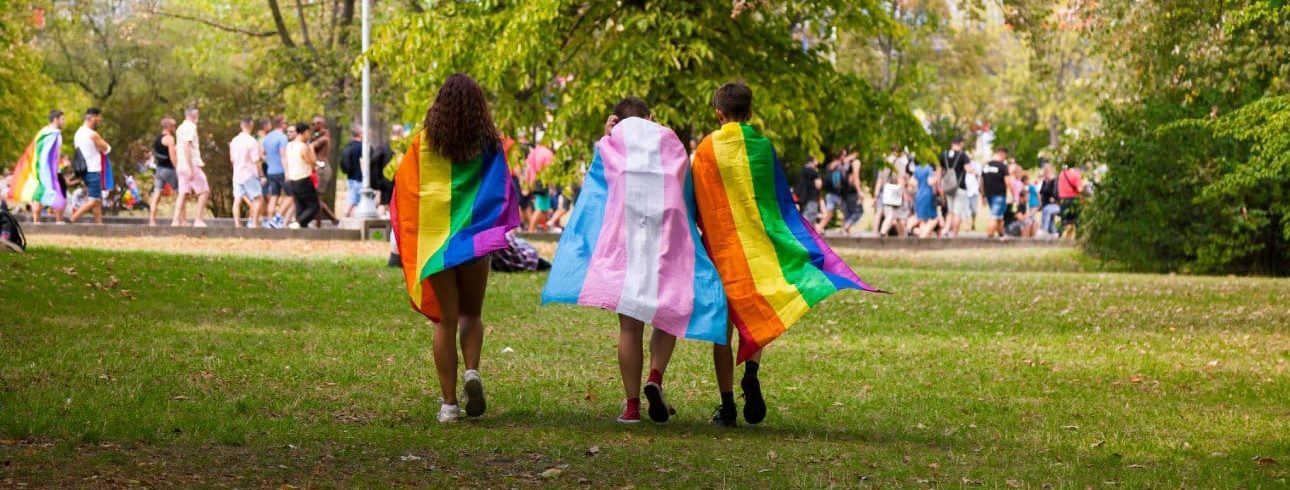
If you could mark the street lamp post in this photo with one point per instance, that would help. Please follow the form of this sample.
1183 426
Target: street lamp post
367 206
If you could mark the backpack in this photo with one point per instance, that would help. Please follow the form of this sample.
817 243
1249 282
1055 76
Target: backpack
79 166
950 178
10 231
838 177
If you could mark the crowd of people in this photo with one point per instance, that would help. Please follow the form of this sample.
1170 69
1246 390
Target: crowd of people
941 198
277 170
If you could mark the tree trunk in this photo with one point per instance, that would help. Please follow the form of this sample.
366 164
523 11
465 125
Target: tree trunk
1054 130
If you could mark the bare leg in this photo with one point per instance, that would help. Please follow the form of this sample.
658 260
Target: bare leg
180 200
724 361
630 331
93 205
256 206
237 212
152 206
201 209
35 212
661 345
472 284
445 334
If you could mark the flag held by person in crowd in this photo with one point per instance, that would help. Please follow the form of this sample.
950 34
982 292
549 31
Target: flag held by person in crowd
773 263
35 178
447 213
632 246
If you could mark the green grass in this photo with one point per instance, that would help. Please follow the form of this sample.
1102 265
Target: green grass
983 368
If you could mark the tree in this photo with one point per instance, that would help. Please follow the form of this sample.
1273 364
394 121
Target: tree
1195 146
24 89
561 64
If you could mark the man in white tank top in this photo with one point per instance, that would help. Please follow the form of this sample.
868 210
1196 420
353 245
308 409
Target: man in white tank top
92 147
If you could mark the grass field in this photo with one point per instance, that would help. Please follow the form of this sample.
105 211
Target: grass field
993 368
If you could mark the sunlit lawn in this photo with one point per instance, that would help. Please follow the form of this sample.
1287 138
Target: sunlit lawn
999 368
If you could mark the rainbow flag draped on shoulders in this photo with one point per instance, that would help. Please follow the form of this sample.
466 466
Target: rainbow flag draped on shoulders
35 179
447 213
632 245
774 265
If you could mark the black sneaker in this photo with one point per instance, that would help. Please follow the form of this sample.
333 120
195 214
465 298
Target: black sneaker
754 403
395 262
725 416
659 410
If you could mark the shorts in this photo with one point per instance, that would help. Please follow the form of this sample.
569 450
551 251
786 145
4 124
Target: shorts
355 190
275 185
163 176
895 212
973 204
832 202
195 183
94 185
249 189
811 210
541 202
960 204
998 205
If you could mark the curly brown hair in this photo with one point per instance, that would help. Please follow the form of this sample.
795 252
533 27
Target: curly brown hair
459 124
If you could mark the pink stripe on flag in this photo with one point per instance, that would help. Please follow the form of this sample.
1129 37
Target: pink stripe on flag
608 264
676 287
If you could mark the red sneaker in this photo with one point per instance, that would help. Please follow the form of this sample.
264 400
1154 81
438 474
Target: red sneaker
631 412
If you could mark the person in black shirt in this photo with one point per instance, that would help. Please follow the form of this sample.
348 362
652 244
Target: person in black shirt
1049 204
163 155
809 199
995 183
957 200
351 163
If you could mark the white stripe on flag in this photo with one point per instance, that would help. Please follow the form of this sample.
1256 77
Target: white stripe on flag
643 218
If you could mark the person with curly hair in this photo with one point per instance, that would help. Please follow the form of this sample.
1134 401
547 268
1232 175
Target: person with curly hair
453 204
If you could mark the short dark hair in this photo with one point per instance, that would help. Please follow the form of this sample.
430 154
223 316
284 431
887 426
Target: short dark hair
246 121
631 107
279 121
302 128
55 114
734 99
93 111
958 140
1001 149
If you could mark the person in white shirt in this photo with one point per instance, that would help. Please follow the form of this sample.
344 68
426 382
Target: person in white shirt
244 153
972 184
188 164
92 148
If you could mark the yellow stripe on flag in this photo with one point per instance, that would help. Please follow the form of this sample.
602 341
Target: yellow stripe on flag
434 206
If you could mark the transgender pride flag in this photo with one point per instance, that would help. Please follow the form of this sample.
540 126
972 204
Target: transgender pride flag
632 245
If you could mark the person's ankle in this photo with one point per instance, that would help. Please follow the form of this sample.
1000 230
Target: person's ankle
655 376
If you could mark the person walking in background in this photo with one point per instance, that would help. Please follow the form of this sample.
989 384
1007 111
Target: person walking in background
244 153
163 158
997 184
891 174
94 150
36 177
192 179
446 268
320 142
896 203
300 164
809 186
351 163
273 149
1070 184
926 177
1049 203
540 157
954 163
972 187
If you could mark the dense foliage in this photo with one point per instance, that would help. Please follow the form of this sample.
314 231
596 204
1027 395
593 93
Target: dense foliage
23 85
1196 152
560 65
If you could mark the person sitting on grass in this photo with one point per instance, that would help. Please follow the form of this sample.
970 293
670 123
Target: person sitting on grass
773 264
632 246
455 167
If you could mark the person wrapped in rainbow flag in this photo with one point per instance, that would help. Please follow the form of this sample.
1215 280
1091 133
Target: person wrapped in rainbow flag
632 247
453 205
35 178
773 264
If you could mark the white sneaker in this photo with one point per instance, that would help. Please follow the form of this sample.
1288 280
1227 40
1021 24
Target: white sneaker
449 413
293 226
474 394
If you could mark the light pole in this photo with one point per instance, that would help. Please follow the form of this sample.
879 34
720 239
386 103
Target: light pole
367 206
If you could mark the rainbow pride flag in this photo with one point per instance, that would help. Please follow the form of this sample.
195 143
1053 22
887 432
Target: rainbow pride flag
774 265
447 213
35 179
632 245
